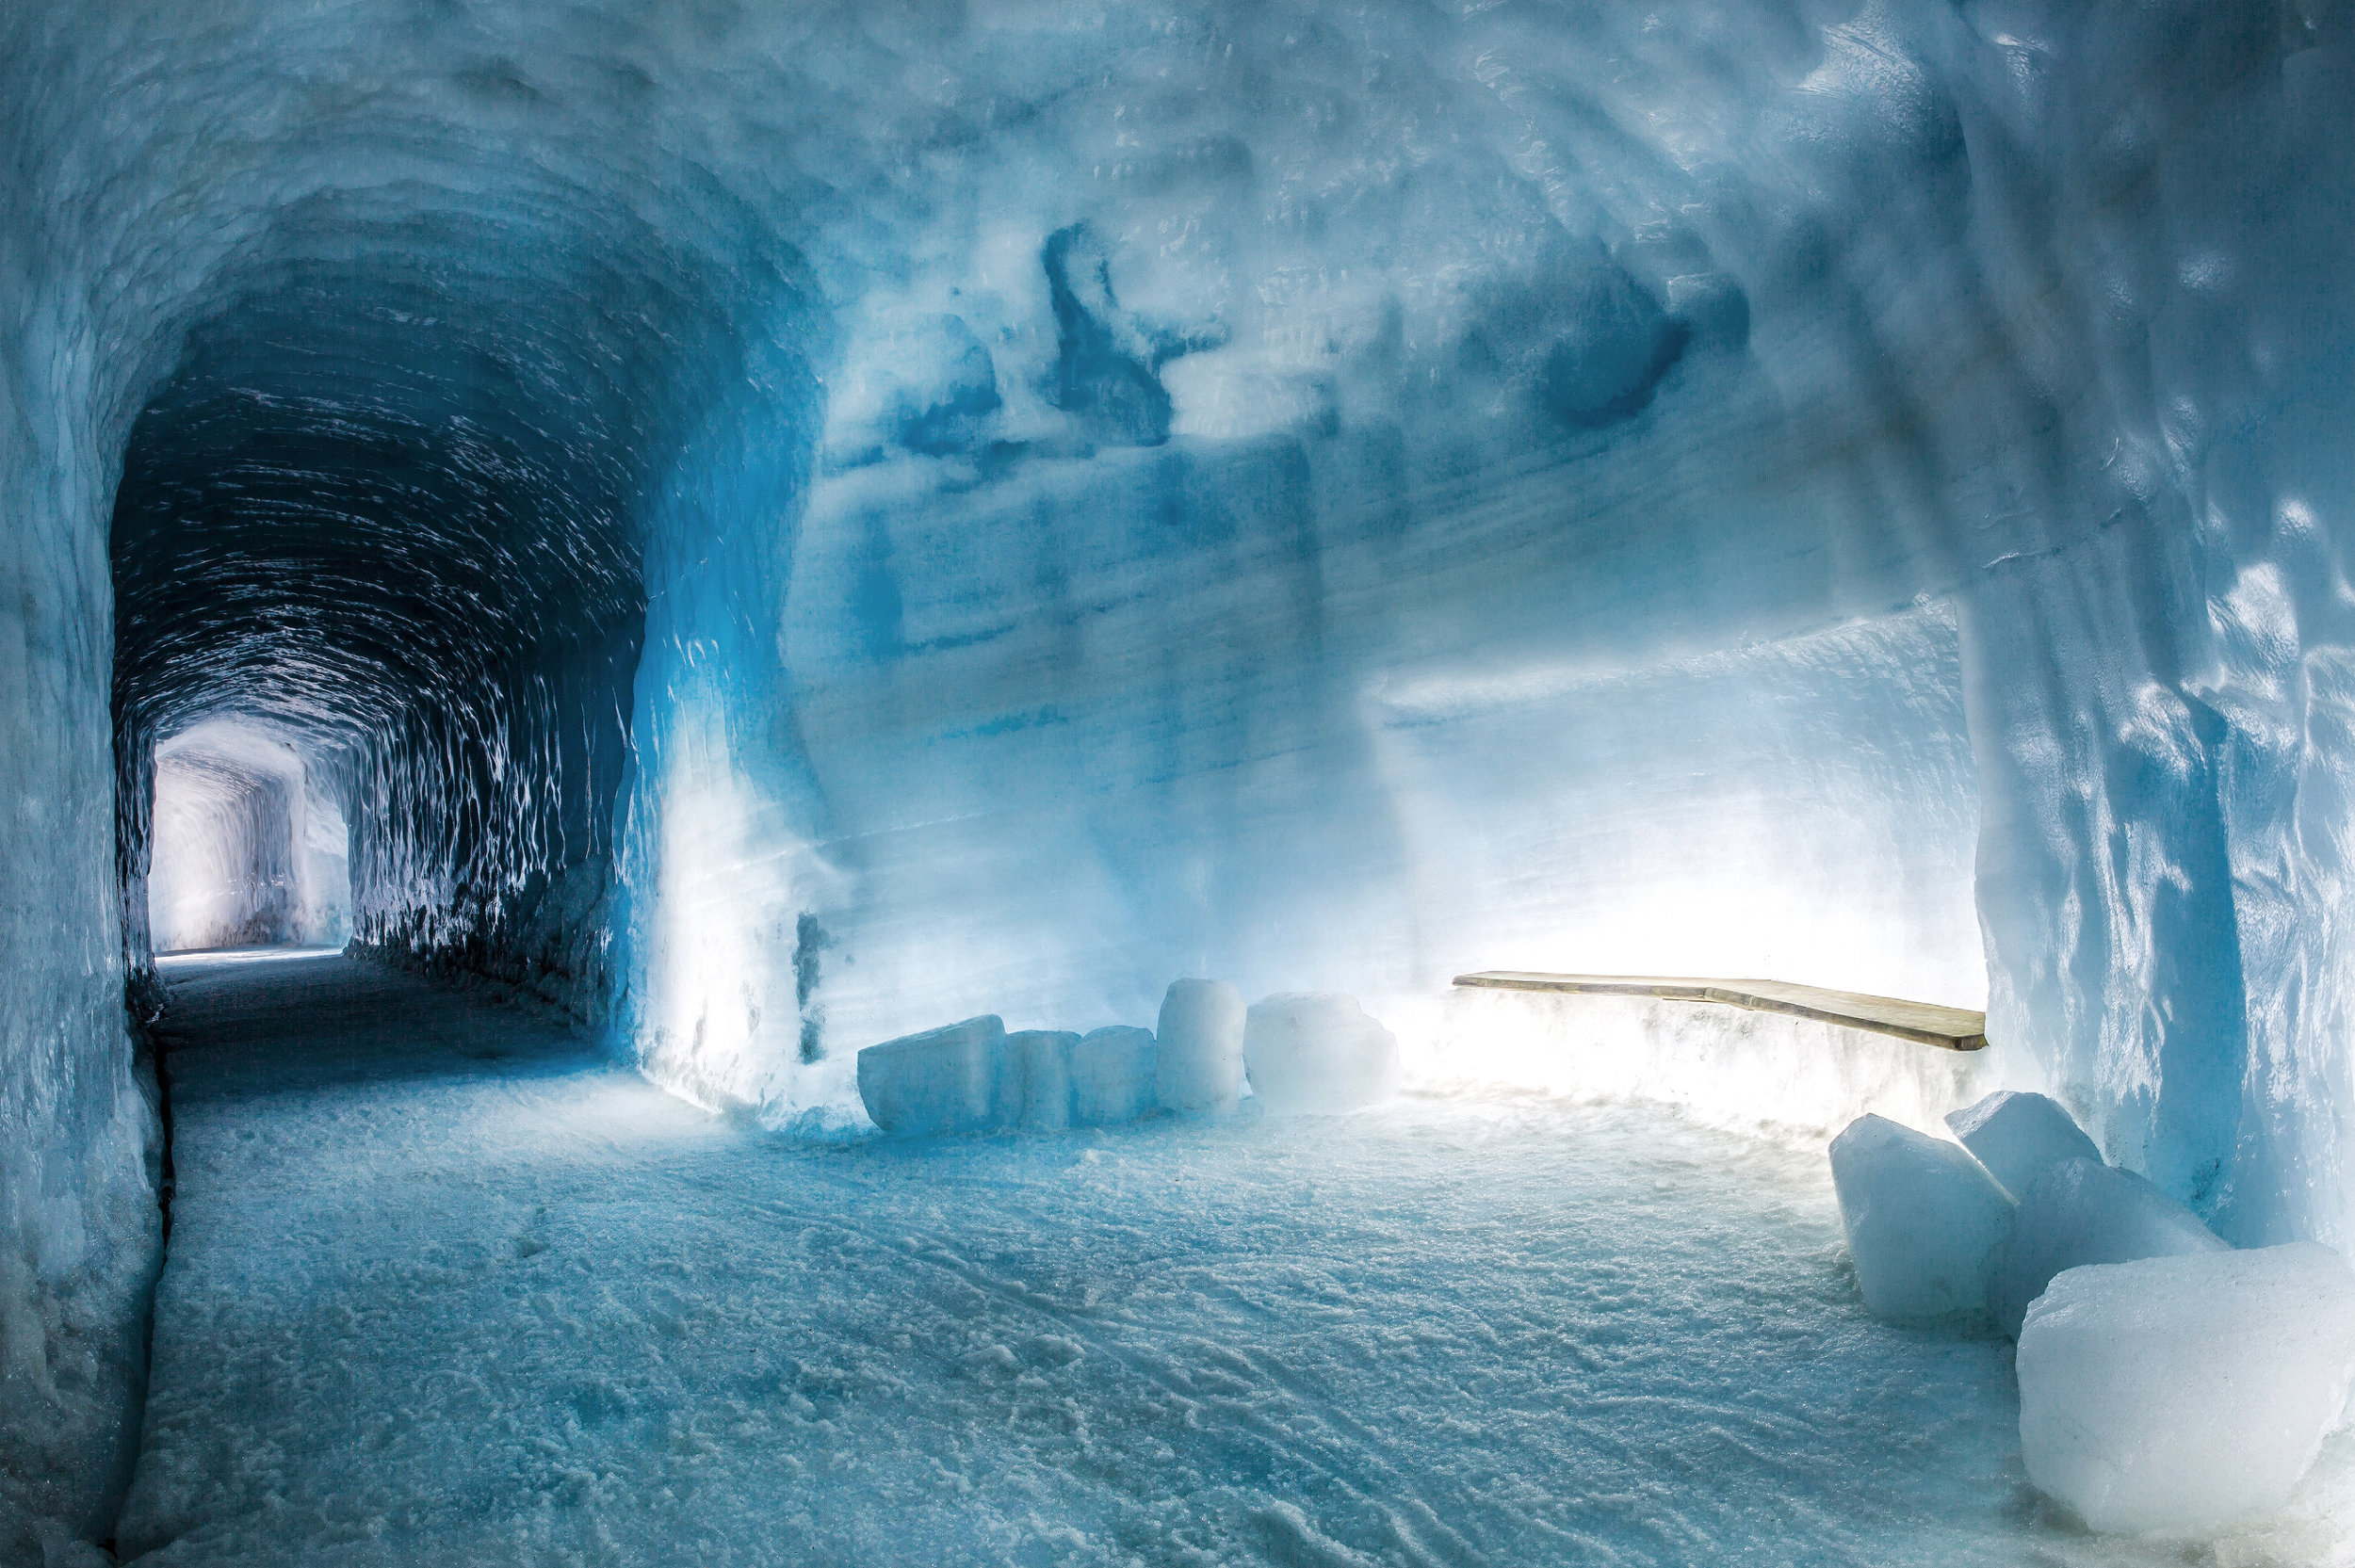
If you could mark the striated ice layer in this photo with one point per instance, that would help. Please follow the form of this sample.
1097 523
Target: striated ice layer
790 525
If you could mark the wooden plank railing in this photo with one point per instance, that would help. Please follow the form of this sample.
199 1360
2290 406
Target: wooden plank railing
1949 1028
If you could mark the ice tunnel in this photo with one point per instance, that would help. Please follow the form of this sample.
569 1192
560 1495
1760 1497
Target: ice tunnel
766 529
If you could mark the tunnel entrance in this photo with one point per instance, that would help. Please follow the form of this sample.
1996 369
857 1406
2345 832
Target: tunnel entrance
250 846
378 612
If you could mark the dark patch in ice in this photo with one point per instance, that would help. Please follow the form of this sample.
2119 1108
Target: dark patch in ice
810 940
1620 343
1109 359
950 416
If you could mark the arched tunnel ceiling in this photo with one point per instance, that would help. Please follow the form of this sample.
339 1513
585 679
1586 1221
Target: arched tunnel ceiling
405 452
1332 495
471 287
920 366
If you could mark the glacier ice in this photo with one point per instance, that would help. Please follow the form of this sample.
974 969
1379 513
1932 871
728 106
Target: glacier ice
953 1079
2078 1213
2018 1135
777 527
1037 1348
1306 1051
1035 1080
1114 1073
1923 1220
2181 1391
975 1075
1198 1063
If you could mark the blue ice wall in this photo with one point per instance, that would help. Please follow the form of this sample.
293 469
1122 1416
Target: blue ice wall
791 523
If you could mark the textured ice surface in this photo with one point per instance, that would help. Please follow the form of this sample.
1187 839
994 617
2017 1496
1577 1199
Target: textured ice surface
950 1079
1923 1218
2079 1212
794 523
444 1287
1113 1075
1035 1080
1199 1067
2019 1135
1317 1051
1752 1072
2185 1390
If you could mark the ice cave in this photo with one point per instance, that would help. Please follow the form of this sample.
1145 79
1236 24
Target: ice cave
1425 783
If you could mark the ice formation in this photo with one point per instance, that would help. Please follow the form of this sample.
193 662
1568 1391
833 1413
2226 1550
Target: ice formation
950 1079
1304 1052
2019 1136
1923 1220
2185 1390
1317 1051
1513 1331
1198 1065
1114 1071
2078 1213
774 527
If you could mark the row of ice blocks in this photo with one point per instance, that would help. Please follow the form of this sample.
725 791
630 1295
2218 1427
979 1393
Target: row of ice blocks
1302 1051
2166 1380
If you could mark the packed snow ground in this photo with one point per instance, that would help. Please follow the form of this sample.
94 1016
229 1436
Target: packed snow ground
445 1285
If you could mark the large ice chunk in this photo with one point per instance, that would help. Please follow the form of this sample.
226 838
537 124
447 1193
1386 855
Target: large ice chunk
2179 1391
2080 1212
1923 1217
942 1081
1034 1080
1317 1051
2018 1137
1199 1066
1111 1076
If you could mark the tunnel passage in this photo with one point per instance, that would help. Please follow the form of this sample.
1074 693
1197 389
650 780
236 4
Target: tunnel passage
247 845
385 522
334 522
1540 361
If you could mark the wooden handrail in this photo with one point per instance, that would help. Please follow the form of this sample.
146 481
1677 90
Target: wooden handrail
1927 1022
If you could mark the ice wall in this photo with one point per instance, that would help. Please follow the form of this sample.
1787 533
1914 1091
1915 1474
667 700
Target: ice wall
78 1221
786 525
1299 546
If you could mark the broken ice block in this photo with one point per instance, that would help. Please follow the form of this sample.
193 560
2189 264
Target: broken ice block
1310 1051
1199 1064
2080 1212
942 1081
2181 1391
1923 1218
2017 1137
1034 1080
1111 1076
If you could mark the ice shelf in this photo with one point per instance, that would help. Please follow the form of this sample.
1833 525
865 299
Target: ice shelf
1949 1028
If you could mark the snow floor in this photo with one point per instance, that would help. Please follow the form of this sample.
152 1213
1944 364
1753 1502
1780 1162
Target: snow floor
447 1285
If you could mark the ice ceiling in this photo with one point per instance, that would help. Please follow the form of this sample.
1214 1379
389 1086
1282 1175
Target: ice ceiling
779 526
